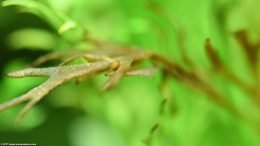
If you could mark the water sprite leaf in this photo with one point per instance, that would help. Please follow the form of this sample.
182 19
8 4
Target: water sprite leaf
32 38
59 21
66 26
36 8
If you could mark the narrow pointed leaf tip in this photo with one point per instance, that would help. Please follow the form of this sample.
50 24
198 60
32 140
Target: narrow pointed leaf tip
66 26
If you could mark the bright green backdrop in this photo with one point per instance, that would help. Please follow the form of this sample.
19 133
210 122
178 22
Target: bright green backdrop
82 115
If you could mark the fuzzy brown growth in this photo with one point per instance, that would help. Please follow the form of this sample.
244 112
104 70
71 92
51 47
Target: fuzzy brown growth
117 62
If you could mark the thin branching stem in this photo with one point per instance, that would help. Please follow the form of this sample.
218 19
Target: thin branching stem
116 61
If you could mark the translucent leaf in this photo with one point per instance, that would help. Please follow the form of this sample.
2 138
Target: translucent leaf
32 38
59 21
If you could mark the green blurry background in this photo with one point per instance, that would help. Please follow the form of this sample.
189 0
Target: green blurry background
82 115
